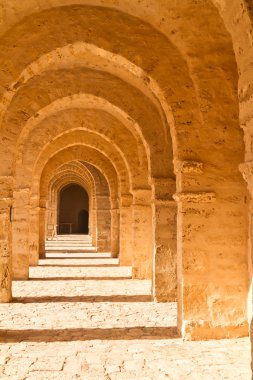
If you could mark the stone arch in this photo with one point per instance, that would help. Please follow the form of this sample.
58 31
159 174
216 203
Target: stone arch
79 153
135 105
147 15
102 199
104 203
87 101
55 186
86 141
110 175
91 56
207 165
99 125
151 15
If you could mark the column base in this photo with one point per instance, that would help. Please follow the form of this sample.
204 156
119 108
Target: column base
141 274
165 298
42 255
164 289
5 298
200 330
125 255
34 262
20 267
103 246
5 290
21 277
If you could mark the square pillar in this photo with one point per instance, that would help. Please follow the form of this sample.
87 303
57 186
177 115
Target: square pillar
42 228
246 169
90 219
34 233
142 234
103 223
20 234
114 228
126 230
5 249
94 227
212 260
104 230
165 240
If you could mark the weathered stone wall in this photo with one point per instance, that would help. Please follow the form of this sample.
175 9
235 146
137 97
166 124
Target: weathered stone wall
146 93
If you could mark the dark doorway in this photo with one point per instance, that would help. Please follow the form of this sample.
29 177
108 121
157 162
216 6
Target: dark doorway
73 210
83 221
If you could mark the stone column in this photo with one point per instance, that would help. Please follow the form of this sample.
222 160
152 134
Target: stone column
192 264
34 232
49 218
6 215
126 230
42 228
165 240
250 268
211 257
55 211
94 226
114 228
90 221
49 212
247 171
192 256
103 223
142 234
20 234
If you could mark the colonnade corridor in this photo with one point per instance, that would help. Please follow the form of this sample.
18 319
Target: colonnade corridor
82 316
126 189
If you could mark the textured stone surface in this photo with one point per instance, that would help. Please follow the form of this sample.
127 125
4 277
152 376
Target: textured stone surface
134 100
103 328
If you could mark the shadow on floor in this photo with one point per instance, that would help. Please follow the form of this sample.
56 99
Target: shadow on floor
81 334
76 257
79 278
81 265
116 298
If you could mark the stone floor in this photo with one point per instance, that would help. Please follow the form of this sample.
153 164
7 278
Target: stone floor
84 318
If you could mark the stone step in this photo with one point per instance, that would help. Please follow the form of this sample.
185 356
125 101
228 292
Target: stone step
68 239
55 243
71 250
85 255
70 244
83 240
72 237
76 244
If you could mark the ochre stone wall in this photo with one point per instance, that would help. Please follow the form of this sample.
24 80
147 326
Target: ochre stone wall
147 106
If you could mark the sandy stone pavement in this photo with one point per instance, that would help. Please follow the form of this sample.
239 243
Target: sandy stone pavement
85 318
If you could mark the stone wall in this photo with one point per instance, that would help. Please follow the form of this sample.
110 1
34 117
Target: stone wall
155 104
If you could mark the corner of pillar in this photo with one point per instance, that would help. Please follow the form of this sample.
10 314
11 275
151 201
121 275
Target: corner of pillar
6 203
164 284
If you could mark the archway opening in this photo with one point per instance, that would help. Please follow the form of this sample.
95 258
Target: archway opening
83 221
73 210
